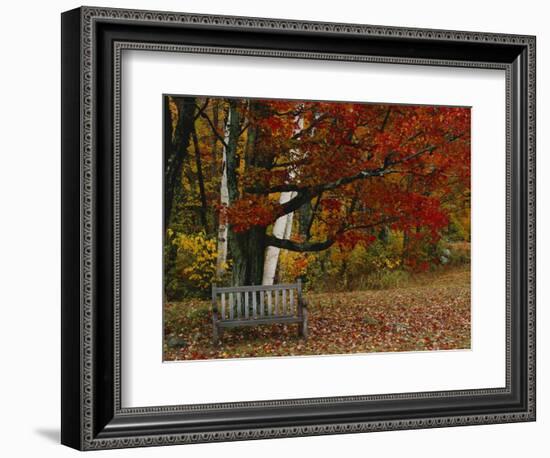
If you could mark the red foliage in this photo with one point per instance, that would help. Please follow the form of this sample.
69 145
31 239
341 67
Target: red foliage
393 164
351 239
248 212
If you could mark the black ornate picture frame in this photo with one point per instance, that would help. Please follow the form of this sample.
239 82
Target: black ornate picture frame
92 42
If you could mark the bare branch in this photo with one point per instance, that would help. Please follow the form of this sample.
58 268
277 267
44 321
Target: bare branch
201 109
244 128
386 118
214 129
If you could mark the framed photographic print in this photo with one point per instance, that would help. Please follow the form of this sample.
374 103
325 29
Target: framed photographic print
277 228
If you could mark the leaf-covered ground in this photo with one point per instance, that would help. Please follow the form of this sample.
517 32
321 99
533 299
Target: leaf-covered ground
433 313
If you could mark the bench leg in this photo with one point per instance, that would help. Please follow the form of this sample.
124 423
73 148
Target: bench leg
216 334
302 330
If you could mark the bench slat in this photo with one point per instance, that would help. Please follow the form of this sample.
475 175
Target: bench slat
283 306
282 300
279 319
262 303
239 308
240 289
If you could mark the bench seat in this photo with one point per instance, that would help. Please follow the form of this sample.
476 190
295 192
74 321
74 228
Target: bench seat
237 306
259 321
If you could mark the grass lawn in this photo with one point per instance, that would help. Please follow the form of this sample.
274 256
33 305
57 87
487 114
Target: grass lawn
431 313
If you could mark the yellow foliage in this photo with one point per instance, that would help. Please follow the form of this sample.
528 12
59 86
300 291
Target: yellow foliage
196 260
174 115
292 265
461 222
339 267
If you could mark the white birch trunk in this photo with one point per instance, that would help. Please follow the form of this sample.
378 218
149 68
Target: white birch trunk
223 227
289 219
282 229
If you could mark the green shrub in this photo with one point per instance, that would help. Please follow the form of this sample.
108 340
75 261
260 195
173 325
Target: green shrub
384 279
377 265
454 253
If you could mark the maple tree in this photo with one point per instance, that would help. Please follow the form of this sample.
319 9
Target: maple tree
345 170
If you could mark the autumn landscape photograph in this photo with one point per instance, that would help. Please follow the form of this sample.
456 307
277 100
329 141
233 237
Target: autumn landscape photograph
301 228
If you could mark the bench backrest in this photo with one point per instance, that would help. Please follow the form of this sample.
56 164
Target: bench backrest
252 302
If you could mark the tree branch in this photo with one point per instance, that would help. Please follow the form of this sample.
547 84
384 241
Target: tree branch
299 246
316 189
214 129
200 110
309 128
319 246
307 193
386 118
198 162
289 164
313 214
244 128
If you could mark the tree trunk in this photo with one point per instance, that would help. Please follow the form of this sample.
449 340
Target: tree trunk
240 243
176 150
200 179
384 234
223 226
282 229
177 143
247 250
305 216
215 122
406 238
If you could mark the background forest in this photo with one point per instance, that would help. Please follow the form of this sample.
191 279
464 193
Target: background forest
348 197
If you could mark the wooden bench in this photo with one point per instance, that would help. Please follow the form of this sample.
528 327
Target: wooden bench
256 305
